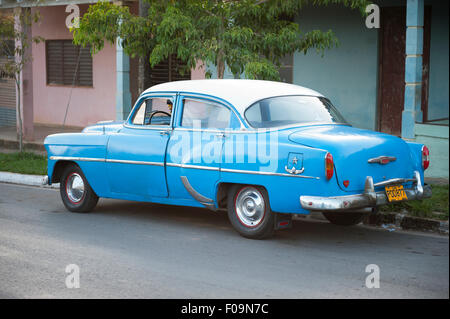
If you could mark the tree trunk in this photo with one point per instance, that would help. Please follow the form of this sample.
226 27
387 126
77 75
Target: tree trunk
19 113
220 65
142 85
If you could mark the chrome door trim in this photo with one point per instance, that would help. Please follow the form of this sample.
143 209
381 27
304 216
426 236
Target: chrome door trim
189 166
208 168
207 202
134 162
229 170
108 160
71 158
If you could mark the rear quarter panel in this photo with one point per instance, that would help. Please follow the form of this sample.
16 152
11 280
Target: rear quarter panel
262 154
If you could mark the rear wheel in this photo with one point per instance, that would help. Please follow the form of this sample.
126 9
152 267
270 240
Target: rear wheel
344 218
249 211
76 193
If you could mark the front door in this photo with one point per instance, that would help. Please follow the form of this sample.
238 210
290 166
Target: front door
136 155
392 67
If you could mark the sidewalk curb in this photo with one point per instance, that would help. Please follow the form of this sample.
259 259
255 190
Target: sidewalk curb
28 146
392 222
25 179
407 222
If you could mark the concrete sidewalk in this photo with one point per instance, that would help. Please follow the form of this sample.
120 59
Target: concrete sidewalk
9 139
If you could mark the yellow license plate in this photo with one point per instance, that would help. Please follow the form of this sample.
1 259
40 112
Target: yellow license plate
395 193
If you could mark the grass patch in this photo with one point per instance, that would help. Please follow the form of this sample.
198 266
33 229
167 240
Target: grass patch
435 207
24 163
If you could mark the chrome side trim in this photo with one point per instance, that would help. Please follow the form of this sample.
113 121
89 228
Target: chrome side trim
70 158
208 168
207 202
148 127
108 160
134 162
229 170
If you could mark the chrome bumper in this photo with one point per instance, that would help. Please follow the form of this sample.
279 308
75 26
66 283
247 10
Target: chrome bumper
368 199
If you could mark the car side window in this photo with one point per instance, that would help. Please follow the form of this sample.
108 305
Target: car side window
154 111
205 114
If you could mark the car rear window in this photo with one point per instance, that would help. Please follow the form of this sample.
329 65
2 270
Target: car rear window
289 110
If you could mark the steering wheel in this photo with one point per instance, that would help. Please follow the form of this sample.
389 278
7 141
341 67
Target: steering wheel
153 113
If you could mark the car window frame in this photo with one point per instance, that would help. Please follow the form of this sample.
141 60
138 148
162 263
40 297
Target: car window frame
129 122
247 122
182 97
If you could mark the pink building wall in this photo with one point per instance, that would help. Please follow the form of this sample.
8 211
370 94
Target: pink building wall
87 104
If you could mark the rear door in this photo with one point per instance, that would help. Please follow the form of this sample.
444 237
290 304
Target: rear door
194 152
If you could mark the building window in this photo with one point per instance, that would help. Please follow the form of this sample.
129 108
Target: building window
169 70
68 64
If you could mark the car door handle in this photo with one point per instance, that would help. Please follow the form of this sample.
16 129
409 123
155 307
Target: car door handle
163 133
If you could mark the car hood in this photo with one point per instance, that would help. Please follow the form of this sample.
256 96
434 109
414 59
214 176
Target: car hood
104 127
352 148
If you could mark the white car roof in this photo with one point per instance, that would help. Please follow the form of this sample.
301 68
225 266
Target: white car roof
239 92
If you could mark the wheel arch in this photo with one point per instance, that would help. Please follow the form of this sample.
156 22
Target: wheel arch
222 192
59 168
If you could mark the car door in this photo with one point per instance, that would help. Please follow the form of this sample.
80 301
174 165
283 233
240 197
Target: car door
136 154
194 152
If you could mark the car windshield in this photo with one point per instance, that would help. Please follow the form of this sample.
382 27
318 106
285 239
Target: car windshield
288 110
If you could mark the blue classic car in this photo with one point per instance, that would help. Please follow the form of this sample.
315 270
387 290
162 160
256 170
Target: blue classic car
261 150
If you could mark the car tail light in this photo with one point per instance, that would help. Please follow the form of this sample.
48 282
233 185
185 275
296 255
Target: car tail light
329 167
425 157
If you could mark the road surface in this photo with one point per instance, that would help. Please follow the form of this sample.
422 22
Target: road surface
140 250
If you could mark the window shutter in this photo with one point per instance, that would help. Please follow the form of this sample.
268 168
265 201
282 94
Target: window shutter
168 70
62 59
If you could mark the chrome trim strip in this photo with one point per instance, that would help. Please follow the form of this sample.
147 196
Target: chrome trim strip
148 127
69 158
208 168
207 202
108 160
229 170
134 162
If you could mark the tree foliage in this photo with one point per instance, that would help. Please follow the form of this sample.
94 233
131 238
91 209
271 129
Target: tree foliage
249 36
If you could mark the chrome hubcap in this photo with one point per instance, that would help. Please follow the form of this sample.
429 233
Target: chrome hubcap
250 206
75 188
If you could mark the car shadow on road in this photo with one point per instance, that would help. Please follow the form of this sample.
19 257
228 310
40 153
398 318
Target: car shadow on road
302 231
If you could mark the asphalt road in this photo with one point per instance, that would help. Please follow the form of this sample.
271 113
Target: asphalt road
140 250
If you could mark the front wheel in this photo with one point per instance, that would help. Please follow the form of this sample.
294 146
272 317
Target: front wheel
344 218
76 193
249 211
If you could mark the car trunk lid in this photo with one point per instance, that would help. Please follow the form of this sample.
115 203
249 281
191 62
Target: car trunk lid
358 153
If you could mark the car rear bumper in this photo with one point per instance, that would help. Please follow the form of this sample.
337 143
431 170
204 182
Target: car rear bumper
368 199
